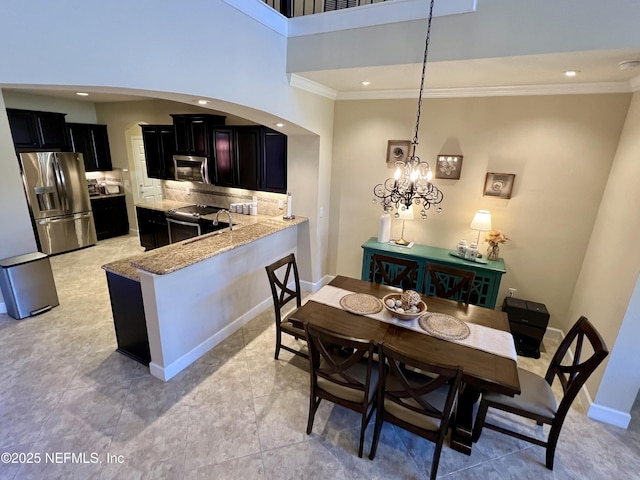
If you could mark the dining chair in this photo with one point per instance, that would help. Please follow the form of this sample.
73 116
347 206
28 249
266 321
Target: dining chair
397 272
279 274
450 282
417 397
536 400
342 371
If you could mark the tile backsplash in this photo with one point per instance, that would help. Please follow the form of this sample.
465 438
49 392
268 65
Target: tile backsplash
221 197
112 177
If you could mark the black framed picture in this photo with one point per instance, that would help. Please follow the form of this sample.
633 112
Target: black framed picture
499 184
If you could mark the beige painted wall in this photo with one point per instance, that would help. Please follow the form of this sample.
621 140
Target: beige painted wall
76 111
559 147
612 266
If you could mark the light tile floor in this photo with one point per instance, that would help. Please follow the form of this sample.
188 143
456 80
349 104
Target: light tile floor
234 414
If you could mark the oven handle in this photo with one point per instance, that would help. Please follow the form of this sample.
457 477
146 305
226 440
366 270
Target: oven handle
180 222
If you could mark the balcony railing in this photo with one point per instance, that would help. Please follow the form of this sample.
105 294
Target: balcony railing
297 8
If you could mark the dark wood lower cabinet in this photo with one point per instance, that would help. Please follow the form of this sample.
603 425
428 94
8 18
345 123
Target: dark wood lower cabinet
152 228
110 216
128 317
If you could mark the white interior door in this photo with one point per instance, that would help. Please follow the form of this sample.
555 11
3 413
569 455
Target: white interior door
147 188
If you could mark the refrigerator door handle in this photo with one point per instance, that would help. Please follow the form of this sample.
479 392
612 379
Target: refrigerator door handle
60 184
64 219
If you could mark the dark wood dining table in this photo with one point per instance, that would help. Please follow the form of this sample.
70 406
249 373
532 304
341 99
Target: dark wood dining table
482 371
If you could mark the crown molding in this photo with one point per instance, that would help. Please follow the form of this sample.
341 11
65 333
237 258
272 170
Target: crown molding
505 91
310 86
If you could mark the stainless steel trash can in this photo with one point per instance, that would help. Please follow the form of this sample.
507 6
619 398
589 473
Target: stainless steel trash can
27 285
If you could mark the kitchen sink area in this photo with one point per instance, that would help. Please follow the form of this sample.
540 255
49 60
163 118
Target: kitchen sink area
177 300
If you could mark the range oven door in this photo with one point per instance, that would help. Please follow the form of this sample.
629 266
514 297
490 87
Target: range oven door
191 169
180 230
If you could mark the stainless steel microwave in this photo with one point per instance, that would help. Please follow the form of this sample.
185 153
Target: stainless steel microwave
191 169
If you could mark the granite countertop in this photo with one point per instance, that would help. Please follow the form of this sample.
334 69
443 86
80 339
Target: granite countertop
105 195
162 205
168 259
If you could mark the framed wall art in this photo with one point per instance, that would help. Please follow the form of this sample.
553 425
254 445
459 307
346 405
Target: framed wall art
397 151
449 166
499 184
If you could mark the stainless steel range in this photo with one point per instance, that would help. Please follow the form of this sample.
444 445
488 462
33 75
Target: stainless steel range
187 222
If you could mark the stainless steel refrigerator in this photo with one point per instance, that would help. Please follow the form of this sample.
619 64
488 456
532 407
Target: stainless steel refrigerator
58 197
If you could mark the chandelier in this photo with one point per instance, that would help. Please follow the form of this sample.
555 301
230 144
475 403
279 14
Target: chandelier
411 183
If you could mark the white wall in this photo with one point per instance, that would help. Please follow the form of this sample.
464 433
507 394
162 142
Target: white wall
498 28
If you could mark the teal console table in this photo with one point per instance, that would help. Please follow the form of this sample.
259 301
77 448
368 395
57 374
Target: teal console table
485 286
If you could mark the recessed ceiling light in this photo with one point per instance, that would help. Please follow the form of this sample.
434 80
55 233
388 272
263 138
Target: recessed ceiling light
202 102
82 94
365 83
279 125
571 73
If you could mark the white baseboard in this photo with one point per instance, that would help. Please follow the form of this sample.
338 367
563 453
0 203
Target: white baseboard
3 308
609 415
554 334
314 287
188 358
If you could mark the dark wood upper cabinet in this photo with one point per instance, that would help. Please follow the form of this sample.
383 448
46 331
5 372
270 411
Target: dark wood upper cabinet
93 142
192 132
252 157
223 156
248 153
159 141
38 130
274 164
261 159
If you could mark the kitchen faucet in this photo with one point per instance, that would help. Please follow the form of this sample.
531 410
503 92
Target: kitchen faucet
215 221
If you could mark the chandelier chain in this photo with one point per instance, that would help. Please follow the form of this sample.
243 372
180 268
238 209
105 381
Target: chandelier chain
411 183
424 69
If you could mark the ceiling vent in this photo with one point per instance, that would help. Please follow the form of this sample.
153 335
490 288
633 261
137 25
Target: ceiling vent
629 64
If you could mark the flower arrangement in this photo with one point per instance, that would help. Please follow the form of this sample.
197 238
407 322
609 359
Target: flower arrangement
495 237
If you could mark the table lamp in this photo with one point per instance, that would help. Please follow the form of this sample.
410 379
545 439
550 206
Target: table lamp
404 214
481 222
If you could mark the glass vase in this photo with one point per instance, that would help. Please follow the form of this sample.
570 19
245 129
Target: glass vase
493 252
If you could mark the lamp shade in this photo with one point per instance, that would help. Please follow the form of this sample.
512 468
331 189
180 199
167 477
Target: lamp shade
481 221
406 213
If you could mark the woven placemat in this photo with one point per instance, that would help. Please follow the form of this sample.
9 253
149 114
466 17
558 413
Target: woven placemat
361 303
444 326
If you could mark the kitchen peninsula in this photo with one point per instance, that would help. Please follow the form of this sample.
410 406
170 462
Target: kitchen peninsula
197 292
